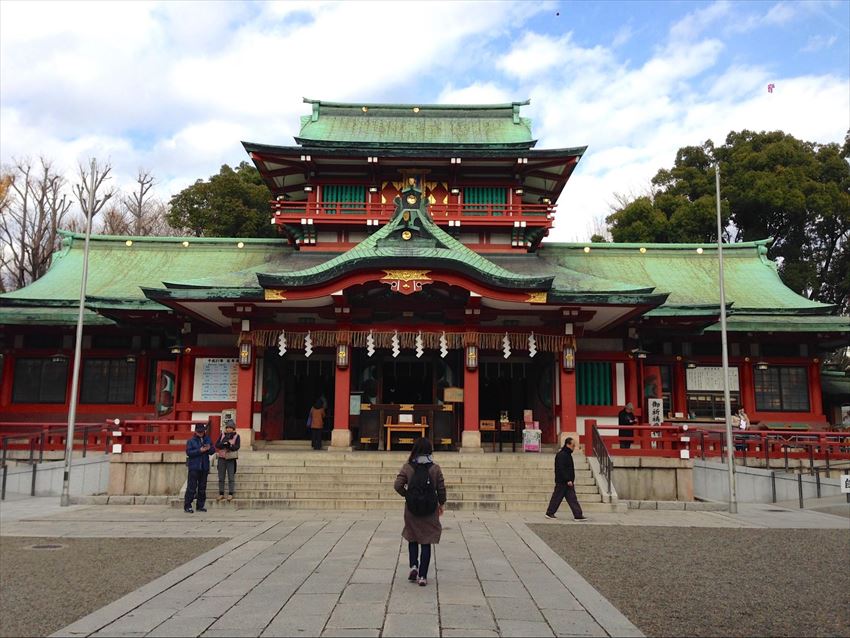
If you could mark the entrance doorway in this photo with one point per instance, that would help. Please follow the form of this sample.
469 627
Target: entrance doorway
291 385
515 386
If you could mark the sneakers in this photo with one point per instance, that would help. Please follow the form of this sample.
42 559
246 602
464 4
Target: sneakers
581 518
422 582
230 497
202 509
552 516
414 574
188 510
219 498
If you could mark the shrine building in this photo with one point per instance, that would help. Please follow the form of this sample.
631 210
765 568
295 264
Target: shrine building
411 284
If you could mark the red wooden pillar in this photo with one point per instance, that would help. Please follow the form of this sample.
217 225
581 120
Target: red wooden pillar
568 412
341 435
185 381
7 380
747 389
245 394
680 383
815 391
632 395
470 400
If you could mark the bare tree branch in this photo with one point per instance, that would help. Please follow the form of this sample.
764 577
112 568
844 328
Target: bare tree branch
84 191
33 206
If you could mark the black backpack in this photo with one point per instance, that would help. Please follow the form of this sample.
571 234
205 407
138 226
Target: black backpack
421 493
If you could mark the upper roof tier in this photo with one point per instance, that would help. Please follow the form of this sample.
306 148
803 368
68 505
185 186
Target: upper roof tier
386 125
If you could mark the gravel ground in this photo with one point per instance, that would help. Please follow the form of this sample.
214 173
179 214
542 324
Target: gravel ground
43 590
715 582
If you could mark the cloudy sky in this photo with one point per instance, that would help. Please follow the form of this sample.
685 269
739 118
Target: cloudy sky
174 87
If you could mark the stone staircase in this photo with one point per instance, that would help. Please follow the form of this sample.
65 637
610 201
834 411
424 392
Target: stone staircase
293 477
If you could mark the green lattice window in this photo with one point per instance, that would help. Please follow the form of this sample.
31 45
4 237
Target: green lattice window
476 199
355 193
593 383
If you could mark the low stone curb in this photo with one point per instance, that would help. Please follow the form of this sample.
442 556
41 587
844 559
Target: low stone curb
103 499
690 506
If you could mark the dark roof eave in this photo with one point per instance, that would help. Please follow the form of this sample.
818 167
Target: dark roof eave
650 300
203 294
412 150
379 262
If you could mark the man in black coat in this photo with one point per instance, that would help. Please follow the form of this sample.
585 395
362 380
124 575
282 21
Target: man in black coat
565 477
626 417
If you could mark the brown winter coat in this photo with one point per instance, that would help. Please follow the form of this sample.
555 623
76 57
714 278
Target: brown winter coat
421 529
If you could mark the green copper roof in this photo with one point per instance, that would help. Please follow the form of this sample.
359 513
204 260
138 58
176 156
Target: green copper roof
784 323
118 271
335 123
691 277
50 317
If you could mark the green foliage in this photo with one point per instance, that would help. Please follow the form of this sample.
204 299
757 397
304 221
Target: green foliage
773 185
233 203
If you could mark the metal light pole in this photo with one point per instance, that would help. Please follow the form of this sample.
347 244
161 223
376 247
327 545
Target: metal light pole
730 455
65 499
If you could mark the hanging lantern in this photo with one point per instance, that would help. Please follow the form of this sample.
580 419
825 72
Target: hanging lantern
568 358
246 354
342 355
471 357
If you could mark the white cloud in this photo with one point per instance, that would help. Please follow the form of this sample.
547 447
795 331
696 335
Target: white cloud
174 87
818 42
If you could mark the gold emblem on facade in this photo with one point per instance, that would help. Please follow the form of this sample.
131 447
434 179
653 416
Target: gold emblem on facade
272 294
405 235
536 297
407 275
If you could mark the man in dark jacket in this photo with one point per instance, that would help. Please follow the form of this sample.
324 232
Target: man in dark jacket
627 417
565 477
198 451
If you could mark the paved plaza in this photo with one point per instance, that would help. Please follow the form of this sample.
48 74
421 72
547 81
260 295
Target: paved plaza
322 573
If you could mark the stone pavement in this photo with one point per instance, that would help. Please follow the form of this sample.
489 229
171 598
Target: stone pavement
316 573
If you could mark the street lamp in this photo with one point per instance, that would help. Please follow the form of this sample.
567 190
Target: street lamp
65 498
730 454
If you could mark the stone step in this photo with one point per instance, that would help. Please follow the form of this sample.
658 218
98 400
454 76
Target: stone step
281 460
398 505
256 482
365 493
319 471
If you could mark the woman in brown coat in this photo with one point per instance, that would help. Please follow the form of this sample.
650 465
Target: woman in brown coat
421 531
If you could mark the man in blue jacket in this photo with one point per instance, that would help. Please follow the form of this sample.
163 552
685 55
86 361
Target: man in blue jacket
565 477
198 451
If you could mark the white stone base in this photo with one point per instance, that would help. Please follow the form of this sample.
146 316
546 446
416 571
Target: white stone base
470 441
340 440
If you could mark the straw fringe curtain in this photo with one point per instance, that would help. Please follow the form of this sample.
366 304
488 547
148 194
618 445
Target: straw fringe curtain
407 340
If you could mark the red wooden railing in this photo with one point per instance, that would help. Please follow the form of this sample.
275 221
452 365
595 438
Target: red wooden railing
51 437
160 436
671 441
507 214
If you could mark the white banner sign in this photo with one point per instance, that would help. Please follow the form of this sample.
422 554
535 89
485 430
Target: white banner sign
216 379
655 410
710 378
845 483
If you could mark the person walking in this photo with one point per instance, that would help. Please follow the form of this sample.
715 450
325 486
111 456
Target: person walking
316 423
627 417
199 448
420 481
565 477
227 449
